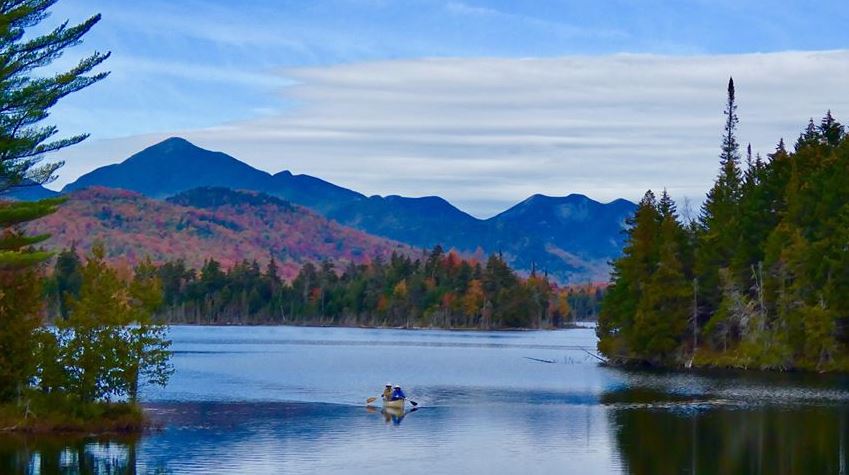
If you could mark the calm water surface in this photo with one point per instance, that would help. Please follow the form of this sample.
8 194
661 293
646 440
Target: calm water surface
292 400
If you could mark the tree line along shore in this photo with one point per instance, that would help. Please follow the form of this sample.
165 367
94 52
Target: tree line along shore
759 280
437 290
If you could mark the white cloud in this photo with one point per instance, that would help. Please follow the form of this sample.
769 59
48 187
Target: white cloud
485 133
557 29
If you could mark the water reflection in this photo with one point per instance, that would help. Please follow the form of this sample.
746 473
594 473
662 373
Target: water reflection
290 400
395 416
67 455
659 434
629 432
323 438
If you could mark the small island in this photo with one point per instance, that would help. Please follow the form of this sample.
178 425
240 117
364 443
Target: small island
83 373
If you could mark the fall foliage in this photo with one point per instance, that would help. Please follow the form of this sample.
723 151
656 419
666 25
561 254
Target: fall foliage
229 226
430 289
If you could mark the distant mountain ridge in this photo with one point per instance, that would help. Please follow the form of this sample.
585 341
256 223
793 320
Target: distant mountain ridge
28 191
176 165
572 237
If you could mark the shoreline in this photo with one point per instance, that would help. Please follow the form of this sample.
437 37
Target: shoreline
571 326
708 369
50 417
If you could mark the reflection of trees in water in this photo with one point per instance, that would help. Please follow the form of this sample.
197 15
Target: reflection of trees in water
762 440
71 455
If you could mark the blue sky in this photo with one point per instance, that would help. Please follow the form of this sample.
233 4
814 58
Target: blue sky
287 85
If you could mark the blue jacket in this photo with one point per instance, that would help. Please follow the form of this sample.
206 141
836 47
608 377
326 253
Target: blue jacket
398 394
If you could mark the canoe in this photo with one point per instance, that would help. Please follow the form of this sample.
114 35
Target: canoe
396 404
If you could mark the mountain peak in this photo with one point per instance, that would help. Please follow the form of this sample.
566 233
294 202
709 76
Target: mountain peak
171 145
538 201
174 165
175 141
178 147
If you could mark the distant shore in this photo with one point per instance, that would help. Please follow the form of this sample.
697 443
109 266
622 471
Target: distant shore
569 326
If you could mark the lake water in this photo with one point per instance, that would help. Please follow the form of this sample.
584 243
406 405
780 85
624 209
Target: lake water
292 400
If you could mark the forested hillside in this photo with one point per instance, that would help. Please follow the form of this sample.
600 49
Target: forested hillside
227 256
760 280
207 222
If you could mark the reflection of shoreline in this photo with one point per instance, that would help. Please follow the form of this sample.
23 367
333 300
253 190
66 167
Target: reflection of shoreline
39 453
705 437
610 435
224 436
735 386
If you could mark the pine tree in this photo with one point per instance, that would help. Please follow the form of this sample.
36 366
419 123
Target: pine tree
629 277
831 131
757 216
720 227
25 101
16 248
67 278
811 135
272 271
660 322
20 298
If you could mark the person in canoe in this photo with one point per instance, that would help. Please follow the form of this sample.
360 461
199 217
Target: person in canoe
397 394
387 392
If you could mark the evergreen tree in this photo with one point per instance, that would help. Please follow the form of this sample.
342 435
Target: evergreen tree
719 220
20 299
67 277
25 101
629 279
771 265
810 136
832 131
664 309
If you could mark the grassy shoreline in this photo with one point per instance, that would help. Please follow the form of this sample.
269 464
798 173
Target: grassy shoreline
711 362
59 414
